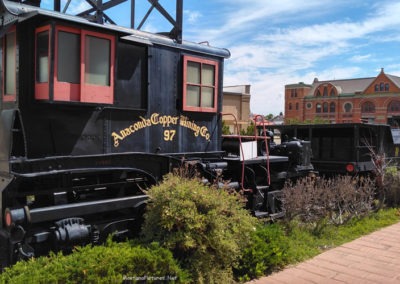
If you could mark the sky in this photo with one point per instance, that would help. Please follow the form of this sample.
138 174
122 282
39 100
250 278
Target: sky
275 43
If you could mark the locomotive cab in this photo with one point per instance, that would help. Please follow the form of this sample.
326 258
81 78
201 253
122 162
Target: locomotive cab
83 88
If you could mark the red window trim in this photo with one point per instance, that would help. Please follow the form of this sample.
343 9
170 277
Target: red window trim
65 91
201 61
42 90
95 93
9 97
82 92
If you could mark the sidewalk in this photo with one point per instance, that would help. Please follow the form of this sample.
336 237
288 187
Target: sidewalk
374 258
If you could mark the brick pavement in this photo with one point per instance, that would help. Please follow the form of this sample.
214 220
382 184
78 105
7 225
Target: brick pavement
374 258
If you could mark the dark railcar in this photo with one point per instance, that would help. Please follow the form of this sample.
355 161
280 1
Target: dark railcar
344 148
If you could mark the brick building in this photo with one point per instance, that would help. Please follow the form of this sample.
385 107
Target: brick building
374 100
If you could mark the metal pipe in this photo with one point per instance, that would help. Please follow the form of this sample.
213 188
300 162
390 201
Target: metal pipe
85 208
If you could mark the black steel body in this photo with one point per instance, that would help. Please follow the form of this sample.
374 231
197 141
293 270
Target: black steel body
79 146
344 148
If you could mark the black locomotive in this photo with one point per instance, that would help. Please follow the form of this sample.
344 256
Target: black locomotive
93 113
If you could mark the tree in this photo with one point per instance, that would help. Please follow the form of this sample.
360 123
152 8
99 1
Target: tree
225 128
269 116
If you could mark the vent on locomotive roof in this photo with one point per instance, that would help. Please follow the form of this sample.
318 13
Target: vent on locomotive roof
96 12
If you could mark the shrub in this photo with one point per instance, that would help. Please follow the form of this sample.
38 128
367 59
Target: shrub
269 250
335 200
392 187
207 229
112 263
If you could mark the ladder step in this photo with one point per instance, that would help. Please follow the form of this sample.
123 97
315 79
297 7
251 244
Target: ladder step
261 214
277 215
262 187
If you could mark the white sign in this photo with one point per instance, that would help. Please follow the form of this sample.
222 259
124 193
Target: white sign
249 150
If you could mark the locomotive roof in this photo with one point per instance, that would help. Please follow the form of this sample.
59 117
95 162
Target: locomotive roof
392 134
19 12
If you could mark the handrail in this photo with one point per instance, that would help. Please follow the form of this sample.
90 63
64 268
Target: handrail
265 141
240 143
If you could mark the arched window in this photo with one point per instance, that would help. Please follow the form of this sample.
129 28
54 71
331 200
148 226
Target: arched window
332 107
381 87
394 106
376 88
325 92
332 93
387 87
348 107
290 106
297 106
318 94
318 108
325 107
368 107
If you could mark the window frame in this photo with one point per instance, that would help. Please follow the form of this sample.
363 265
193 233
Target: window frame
393 106
61 88
42 89
82 92
325 91
13 96
325 107
90 92
349 108
368 107
332 107
201 61
318 108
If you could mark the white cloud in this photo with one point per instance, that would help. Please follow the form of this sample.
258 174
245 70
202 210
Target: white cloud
192 16
360 58
269 57
75 7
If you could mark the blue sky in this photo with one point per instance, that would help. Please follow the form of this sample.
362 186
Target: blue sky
274 43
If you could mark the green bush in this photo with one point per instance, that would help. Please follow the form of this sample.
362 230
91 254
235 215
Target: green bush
112 263
392 187
274 246
269 250
207 229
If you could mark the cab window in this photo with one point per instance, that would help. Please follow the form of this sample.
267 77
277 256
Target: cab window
8 66
83 66
200 84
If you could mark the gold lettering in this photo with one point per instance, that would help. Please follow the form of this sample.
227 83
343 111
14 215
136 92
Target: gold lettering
154 118
116 139
203 131
164 121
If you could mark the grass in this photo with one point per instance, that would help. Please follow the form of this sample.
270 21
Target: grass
275 246
306 243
